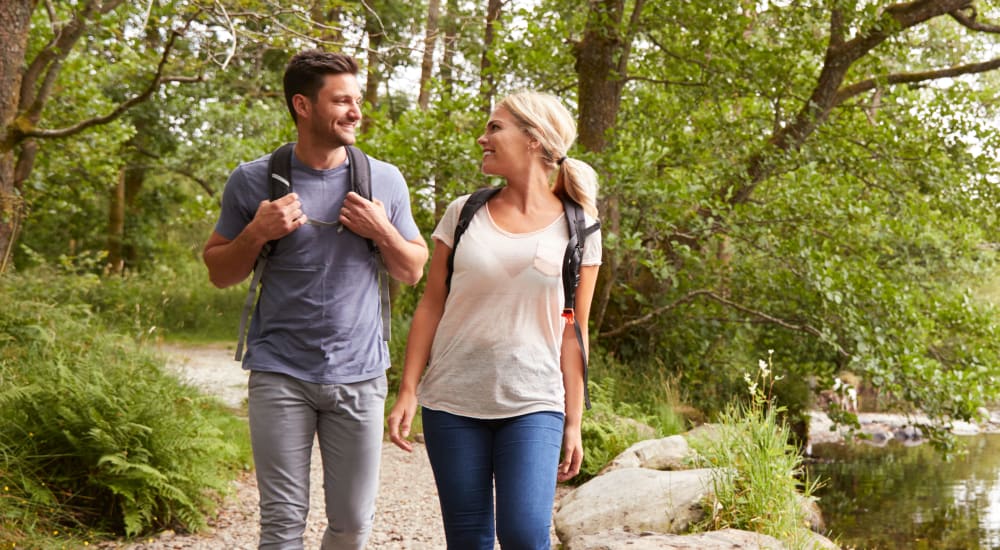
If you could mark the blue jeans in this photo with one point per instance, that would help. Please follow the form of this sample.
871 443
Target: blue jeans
519 455
286 415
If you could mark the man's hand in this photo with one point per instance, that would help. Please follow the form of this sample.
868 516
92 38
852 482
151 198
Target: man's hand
277 218
363 217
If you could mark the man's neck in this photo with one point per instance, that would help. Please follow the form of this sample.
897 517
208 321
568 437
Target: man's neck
320 158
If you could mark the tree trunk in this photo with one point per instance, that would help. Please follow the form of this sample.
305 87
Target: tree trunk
135 176
327 23
116 225
448 55
487 82
15 22
427 64
375 37
600 82
601 65
122 254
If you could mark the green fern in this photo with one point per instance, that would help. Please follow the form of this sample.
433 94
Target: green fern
95 435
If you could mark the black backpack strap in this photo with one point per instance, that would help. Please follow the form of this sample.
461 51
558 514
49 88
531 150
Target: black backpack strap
476 200
360 175
572 260
279 181
279 171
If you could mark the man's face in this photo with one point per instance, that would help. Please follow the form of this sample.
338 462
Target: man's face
336 113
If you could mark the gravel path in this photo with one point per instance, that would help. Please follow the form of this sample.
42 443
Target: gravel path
407 515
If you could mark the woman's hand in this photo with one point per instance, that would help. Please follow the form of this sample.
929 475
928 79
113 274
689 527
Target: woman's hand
572 454
401 419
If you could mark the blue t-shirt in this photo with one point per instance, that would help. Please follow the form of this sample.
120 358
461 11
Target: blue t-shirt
318 318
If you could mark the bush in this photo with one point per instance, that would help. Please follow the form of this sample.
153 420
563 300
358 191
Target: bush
174 301
756 478
94 435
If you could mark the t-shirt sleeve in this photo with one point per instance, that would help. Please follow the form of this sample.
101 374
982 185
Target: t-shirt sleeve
235 212
592 248
445 230
400 214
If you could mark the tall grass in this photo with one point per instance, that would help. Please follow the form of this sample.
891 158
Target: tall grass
756 483
175 301
95 437
629 404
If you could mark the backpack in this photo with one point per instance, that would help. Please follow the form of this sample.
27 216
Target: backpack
573 257
279 168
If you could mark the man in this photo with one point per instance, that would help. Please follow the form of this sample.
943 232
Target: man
315 350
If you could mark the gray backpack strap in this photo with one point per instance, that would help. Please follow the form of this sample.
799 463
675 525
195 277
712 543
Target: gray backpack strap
279 182
361 183
258 272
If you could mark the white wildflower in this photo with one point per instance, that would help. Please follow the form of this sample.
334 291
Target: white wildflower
764 371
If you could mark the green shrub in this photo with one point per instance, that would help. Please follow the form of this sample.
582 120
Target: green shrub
756 483
94 435
629 403
176 301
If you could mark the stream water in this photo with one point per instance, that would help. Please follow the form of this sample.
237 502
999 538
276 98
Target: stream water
909 497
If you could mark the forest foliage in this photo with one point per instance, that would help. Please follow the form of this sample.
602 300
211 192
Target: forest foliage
814 178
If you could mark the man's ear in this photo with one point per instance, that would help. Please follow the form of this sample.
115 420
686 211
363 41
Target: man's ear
301 104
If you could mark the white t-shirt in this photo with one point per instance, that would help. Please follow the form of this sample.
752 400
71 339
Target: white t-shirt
496 350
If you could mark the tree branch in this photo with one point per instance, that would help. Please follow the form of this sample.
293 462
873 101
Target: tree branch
633 29
836 26
808 329
839 59
664 81
176 169
49 59
969 21
656 312
908 78
155 83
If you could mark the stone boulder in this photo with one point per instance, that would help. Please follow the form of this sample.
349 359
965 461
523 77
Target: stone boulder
639 498
725 539
668 453
645 498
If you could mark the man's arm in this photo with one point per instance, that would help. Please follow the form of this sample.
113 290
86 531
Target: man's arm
230 261
404 260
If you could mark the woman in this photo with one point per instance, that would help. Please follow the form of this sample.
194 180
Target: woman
504 386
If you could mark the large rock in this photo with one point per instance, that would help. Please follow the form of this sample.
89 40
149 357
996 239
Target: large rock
668 453
725 539
636 499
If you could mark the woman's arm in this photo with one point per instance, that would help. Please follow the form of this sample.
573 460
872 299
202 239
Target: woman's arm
571 361
418 346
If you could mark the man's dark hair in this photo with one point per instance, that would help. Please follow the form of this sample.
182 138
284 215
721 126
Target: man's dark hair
306 70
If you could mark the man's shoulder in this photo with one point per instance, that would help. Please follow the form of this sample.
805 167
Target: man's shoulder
386 176
380 166
254 168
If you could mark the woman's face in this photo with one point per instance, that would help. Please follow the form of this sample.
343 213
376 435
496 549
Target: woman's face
506 147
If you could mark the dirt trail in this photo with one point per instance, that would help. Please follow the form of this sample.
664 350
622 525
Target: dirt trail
407 515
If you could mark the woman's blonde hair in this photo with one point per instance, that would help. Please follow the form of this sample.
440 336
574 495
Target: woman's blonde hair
545 119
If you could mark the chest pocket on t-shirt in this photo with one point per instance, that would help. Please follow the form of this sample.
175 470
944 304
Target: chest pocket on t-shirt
548 258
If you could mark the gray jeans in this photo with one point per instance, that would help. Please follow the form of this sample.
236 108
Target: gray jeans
286 414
